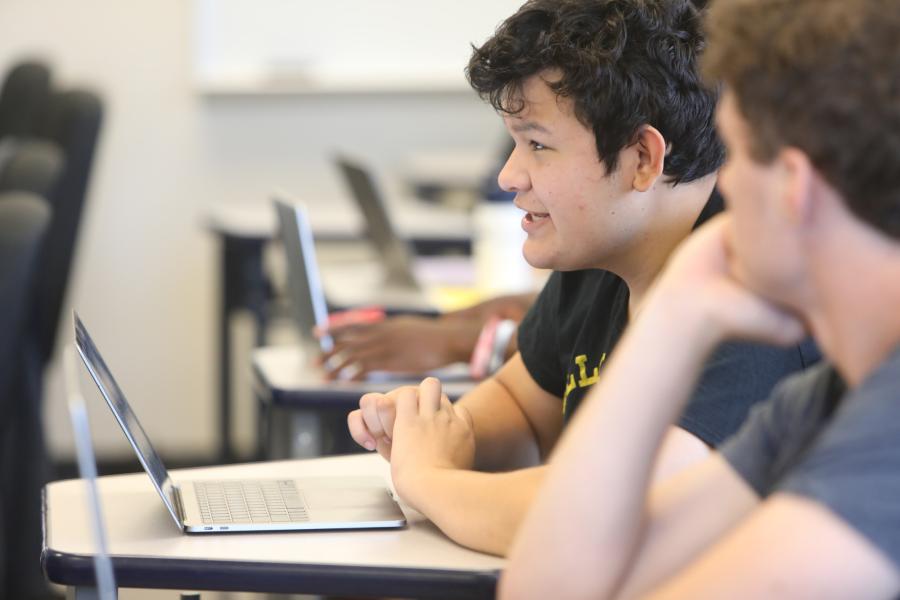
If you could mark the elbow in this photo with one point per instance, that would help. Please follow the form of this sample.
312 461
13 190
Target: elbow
512 587
522 580
523 584
526 584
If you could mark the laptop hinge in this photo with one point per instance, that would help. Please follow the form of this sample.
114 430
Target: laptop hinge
179 507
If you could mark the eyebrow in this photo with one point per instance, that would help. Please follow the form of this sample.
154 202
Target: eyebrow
525 126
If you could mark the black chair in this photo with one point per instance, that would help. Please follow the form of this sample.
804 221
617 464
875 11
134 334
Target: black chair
23 99
33 166
73 124
23 222
31 112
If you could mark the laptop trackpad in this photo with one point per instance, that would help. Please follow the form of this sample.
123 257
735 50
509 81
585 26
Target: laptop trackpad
345 498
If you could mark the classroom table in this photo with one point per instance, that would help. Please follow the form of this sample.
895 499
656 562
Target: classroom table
303 415
149 551
245 230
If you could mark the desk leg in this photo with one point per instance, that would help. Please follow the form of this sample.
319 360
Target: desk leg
244 285
293 434
86 593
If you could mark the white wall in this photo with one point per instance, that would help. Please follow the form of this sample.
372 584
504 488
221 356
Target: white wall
145 272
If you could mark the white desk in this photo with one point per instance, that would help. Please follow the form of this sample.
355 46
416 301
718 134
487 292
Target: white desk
339 218
148 550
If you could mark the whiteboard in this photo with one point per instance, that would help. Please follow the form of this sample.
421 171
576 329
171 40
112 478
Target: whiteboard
339 45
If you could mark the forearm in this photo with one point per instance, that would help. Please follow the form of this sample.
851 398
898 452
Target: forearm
482 511
615 438
504 439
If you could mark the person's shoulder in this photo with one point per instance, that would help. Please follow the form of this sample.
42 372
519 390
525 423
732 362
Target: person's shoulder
764 360
884 377
879 389
815 378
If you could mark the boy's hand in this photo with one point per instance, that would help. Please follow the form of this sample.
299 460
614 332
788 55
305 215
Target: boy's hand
429 433
404 344
372 424
703 276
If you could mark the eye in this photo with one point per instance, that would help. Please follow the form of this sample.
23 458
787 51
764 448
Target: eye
537 145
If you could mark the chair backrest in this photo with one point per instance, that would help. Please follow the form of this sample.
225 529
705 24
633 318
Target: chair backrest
33 166
73 123
23 223
23 99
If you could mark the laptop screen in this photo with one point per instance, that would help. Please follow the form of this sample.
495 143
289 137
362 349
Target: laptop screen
114 397
394 251
305 287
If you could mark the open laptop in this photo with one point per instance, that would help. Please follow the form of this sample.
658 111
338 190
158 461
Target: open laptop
394 251
307 296
87 468
244 505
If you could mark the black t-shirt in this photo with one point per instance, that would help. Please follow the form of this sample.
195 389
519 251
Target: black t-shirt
567 337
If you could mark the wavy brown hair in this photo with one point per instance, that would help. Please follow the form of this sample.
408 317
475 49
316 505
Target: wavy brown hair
822 76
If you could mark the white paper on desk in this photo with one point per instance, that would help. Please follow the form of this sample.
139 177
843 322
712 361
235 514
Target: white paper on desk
445 271
454 372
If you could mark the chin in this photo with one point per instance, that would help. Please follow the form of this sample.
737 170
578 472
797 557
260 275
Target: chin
539 260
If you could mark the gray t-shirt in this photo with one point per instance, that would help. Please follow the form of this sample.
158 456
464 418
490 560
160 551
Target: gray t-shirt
838 447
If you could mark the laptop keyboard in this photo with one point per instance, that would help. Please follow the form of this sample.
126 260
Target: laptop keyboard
275 501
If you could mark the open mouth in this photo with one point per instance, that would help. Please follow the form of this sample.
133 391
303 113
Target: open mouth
535 217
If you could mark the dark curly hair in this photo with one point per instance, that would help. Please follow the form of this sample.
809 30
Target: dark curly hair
623 63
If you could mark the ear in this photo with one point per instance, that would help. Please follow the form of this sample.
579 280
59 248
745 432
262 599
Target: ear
797 185
651 150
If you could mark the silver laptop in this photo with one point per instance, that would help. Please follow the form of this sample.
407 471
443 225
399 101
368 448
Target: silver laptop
307 295
87 468
394 251
245 505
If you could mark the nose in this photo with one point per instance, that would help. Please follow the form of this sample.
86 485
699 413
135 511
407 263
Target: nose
513 177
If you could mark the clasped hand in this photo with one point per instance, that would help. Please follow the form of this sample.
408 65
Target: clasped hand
416 429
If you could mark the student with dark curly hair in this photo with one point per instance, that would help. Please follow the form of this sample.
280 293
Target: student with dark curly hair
614 164
803 501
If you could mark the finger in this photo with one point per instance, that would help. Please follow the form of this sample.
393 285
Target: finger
364 362
387 414
757 319
347 366
357 347
369 408
355 371
429 396
344 329
776 325
407 404
395 393
384 448
358 430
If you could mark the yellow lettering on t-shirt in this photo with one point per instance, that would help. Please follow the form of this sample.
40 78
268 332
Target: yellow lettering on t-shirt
583 379
569 387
